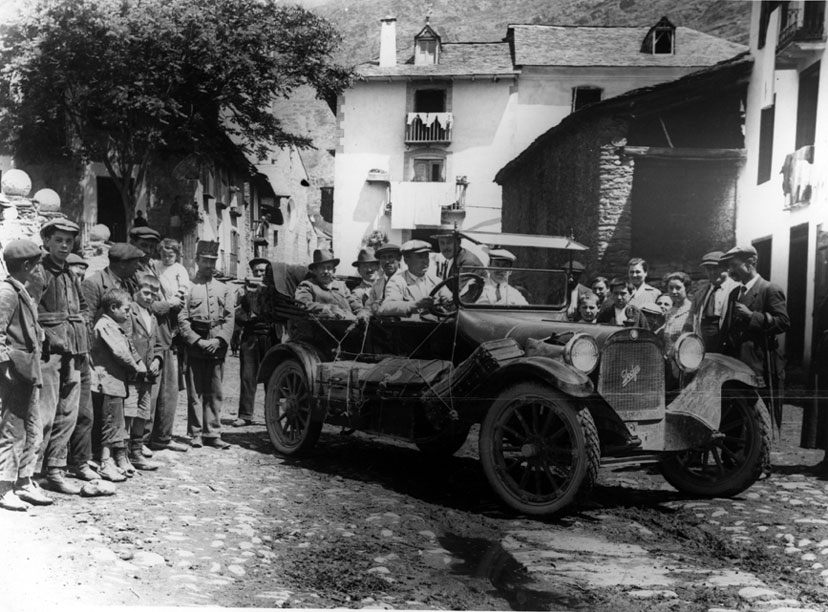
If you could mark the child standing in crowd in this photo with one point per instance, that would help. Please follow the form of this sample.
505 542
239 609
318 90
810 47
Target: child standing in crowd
20 339
114 359
144 335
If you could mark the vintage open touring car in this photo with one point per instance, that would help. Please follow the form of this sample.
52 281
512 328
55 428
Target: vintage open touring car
555 399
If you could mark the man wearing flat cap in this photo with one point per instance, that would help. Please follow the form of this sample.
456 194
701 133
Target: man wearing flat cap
756 314
407 292
206 323
497 290
63 314
455 258
709 302
256 338
325 296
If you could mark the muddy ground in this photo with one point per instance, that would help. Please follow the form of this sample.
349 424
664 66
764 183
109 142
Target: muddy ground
369 523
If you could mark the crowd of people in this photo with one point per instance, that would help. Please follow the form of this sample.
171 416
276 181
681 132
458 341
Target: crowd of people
91 365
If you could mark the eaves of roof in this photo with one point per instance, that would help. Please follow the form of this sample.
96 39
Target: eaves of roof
729 74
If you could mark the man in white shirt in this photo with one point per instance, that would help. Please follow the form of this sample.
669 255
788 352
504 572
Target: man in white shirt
710 302
407 292
497 290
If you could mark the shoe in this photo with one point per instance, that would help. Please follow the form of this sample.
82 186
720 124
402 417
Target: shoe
139 462
169 445
216 443
122 461
196 442
33 494
109 471
83 472
10 501
98 488
145 451
56 481
242 422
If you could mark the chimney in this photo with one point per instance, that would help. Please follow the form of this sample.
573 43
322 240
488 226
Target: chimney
388 42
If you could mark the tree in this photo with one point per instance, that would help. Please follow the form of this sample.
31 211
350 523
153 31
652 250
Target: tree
121 81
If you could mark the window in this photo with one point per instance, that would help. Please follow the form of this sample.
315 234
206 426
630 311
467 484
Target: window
326 207
426 47
765 144
764 251
430 101
429 170
806 108
661 39
584 96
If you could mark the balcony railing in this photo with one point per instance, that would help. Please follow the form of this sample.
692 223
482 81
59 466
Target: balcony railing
803 25
428 127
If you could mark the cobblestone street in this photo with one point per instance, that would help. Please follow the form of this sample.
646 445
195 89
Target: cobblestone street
366 524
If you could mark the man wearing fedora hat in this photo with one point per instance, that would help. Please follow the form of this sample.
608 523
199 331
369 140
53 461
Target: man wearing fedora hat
325 296
206 323
256 338
368 267
62 312
454 257
756 314
390 257
709 302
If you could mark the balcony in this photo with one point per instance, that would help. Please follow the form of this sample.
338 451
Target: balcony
801 32
428 128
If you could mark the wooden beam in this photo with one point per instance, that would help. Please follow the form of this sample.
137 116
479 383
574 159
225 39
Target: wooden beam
686 153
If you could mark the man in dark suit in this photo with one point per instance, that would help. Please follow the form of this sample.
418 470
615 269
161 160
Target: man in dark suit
456 259
709 302
756 314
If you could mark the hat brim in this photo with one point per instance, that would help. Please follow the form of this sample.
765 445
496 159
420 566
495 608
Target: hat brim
258 260
334 261
414 251
356 263
444 235
205 256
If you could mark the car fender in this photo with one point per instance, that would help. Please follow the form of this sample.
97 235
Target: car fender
550 371
700 400
305 354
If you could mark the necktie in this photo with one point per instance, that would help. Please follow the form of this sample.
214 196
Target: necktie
497 293
742 292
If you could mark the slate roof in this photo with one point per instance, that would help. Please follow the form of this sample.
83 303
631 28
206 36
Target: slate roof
537 45
456 59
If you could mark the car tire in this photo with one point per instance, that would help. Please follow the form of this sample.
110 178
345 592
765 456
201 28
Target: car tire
539 451
446 442
730 463
288 413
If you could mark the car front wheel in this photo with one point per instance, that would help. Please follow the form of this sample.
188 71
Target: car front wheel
288 410
733 458
540 453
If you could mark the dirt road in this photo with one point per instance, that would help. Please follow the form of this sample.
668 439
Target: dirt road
364 523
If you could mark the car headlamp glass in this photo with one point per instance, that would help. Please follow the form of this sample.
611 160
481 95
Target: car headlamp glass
581 352
688 352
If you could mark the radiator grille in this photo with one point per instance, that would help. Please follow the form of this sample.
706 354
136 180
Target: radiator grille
632 377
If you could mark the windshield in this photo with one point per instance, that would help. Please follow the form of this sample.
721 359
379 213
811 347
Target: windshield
513 287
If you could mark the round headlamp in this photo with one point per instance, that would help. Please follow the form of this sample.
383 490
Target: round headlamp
688 352
581 352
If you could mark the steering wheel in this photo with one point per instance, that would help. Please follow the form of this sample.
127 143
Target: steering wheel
474 285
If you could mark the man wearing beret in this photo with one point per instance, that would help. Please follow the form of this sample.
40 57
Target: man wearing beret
206 323
63 314
408 292
756 313
256 339
21 338
709 302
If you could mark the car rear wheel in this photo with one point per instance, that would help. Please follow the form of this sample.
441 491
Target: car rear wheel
734 457
540 453
288 410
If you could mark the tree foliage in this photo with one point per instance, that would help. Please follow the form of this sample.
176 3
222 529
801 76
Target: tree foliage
121 81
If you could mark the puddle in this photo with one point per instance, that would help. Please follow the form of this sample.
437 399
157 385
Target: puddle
488 560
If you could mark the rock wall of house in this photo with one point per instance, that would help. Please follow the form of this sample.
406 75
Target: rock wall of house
577 186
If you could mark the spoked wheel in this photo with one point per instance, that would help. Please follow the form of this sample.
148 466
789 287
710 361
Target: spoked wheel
288 410
539 452
733 458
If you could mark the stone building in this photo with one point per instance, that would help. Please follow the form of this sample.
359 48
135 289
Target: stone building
651 173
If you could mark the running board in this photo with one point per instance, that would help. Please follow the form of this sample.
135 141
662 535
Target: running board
630 461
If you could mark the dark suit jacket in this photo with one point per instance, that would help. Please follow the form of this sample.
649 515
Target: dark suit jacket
751 340
635 318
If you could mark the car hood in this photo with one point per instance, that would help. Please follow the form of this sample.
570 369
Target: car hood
478 326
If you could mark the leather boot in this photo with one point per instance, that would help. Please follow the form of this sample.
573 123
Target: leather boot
56 481
123 463
137 458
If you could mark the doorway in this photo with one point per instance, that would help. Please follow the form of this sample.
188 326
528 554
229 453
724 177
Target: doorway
111 209
797 290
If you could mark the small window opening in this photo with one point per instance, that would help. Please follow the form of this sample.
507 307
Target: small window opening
429 171
584 96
